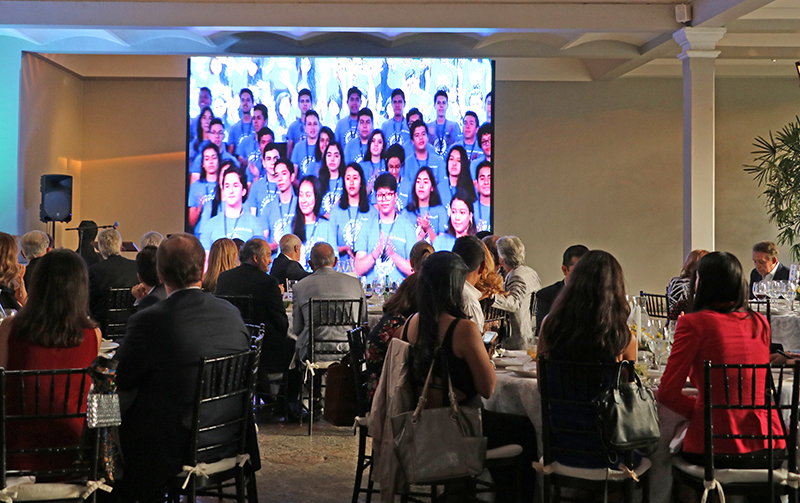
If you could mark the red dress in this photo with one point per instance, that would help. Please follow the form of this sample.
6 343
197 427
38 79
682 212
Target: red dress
720 338
24 355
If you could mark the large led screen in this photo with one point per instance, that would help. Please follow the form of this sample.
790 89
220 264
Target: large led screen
370 155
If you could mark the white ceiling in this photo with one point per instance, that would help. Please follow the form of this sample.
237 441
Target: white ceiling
553 40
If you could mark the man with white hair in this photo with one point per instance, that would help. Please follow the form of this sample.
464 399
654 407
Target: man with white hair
287 264
114 271
34 245
521 283
151 238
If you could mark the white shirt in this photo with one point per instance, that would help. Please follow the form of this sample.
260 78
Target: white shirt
771 274
472 305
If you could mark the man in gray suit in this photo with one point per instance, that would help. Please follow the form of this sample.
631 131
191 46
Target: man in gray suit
324 283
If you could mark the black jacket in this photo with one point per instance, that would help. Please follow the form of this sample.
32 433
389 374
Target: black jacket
284 268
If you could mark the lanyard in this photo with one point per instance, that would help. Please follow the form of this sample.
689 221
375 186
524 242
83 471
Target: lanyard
280 206
308 238
471 151
380 226
225 222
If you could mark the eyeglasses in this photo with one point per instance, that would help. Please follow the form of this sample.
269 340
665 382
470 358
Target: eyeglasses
384 196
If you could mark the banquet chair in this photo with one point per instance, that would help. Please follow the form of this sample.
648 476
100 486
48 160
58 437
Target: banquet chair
497 319
358 353
244 303
265 382
120 308
222 418
743 392
573 454
657 306
327 346
34 400
763 307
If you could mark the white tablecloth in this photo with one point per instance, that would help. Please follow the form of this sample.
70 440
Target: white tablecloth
786 331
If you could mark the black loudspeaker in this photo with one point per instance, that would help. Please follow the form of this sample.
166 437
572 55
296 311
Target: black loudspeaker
56 203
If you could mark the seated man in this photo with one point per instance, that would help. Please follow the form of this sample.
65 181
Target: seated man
158 360
251 278
287 266
546 296
149 290
767 266
34 245
471 249
323 283
115 271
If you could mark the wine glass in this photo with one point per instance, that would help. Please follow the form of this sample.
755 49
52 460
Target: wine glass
377 287
669 332
760 290
660 348
773 290
791 287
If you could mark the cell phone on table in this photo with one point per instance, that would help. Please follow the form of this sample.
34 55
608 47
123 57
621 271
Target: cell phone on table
489 337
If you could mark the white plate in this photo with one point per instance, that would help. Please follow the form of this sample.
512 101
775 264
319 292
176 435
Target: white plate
525 371
655 374
106 346
511 362
516 352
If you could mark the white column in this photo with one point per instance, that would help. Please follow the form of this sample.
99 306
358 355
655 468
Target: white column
698 54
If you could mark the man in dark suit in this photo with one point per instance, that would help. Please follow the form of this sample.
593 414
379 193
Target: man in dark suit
115 271
158 360
149 290
767 266
546 296
286 265
251 278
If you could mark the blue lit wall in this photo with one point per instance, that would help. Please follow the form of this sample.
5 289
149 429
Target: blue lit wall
10 61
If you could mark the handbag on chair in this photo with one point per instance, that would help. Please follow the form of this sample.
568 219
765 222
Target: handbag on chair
441 443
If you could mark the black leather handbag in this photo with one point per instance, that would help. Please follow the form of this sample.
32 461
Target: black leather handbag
628 413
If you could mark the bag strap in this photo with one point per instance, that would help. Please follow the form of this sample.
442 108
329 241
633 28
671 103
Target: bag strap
422 397
404 338
631 372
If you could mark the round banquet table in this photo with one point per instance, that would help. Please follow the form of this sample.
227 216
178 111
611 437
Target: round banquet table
786 331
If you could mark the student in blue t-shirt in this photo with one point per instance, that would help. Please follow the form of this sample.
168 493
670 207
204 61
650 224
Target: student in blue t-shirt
279 213
356 149
425 208
304 153
395 157
297 128
245 126
347 128
331 177
482 207
200 132
461 222
255 166
469 140
457 176
264 190
233 221
485 135
396 128
249 143
351 215
326 137
443 133
374 163
308 224
420 153
205 189
216 132
383 246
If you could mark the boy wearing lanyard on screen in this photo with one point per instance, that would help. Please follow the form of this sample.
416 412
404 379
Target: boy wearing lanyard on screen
297 128
255 166
357 147
470 142
280 212
264 190
245 126
249 143
443 133
485 134
347 128
234 221
421 153
482 207
303 155
383 245
396 128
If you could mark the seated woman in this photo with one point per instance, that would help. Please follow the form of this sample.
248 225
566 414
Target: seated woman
679 290
722 329
52 331
12 287
441 323
224 255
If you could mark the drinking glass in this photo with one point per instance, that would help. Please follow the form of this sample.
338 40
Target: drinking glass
760 290
660 348
377 287
669 332
773 290
791 287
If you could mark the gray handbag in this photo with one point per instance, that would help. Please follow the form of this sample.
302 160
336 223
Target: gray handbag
441 443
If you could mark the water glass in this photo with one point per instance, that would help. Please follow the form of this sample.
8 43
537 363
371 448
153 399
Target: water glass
660 348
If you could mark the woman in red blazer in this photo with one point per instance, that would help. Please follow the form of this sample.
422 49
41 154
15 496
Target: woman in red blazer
721 329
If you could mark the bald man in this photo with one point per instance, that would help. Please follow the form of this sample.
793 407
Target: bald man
286 265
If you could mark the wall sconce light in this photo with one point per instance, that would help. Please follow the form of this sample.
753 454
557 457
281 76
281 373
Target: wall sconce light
797 67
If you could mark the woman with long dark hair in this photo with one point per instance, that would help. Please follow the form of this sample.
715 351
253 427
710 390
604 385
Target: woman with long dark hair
51 331
425 208
204 189
374 162
12 287
201 133
331 174
308 224
722 329
326 137
458 175
352 212
461 222
442 333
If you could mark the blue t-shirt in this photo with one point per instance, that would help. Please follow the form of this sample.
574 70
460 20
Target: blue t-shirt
396 132
239 131
262 192
482 215
442 136
279 217
255 159
372 170
304 157
473 151
348 224
247 145
446 191
433 161
354 151
319 231
402 236
444 242
197 164
437 215
201 192
474 165
244 227
346 130
296 131
332 195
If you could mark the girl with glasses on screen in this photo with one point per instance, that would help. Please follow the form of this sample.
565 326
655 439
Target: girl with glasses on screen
308 225
351 214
